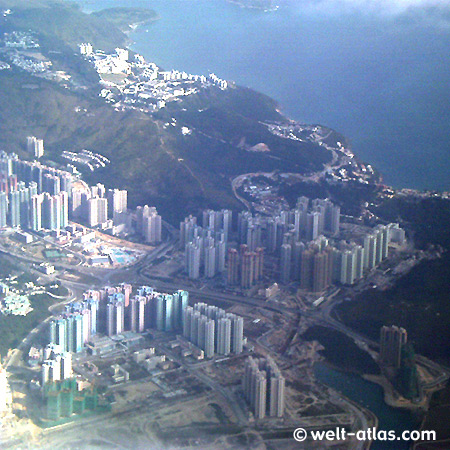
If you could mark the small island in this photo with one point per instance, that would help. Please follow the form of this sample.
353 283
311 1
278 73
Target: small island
264 5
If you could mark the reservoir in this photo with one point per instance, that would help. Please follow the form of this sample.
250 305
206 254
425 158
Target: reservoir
370 396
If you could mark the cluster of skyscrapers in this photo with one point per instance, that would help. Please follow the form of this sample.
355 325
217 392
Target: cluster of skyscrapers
113 310
164 312
321 262
33 196
305 254
218 221
245 268
318 264
264 387
307 221
74 328
147 309
205 247
48 179
36 197
57 364
213 330
95 205
100 207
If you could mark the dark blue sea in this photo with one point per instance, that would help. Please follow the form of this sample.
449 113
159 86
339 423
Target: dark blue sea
378 71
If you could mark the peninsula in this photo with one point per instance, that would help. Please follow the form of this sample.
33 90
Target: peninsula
127 19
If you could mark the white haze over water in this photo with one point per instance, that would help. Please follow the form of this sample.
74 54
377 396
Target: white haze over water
388 6
436 12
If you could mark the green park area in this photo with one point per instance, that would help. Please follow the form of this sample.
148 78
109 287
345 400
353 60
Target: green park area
13 329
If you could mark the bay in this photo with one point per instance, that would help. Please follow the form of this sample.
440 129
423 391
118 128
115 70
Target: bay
381 77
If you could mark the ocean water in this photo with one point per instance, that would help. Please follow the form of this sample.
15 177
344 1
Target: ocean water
377 71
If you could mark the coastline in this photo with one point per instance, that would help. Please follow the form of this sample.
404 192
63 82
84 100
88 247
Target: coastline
263 86
360 410
129 27
135 25
392 398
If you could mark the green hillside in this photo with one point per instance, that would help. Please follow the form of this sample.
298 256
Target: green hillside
122 18
150 156
61 23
